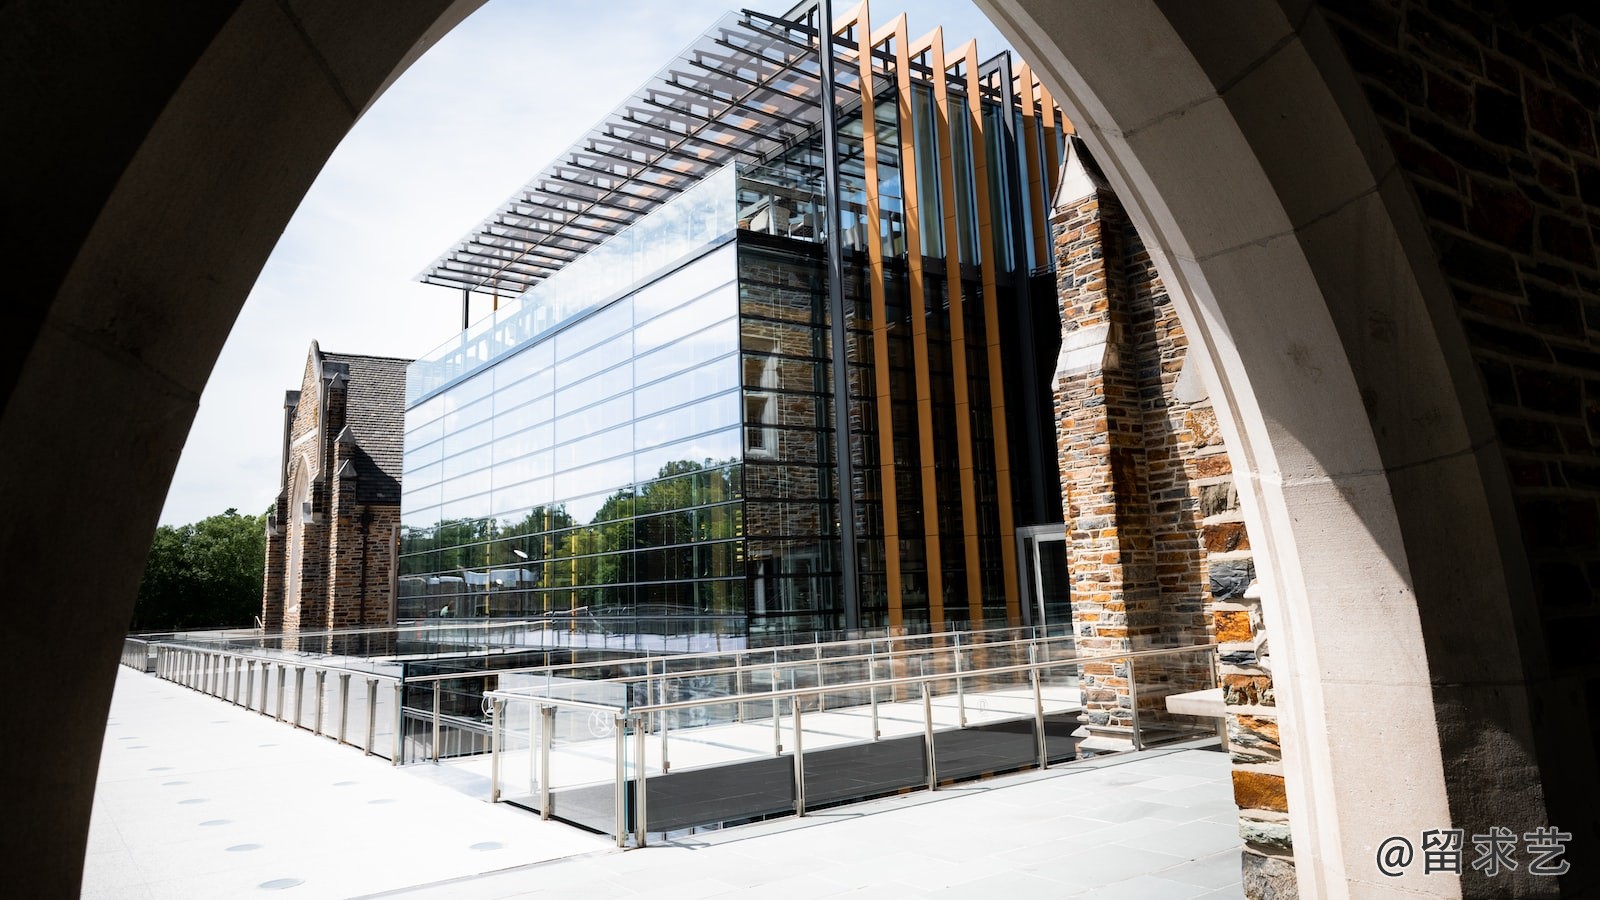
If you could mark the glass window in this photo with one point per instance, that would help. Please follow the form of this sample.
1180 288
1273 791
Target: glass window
522 443
614 442
598 417
693 317
467 461
521 496
522 468
526 361
706 448
687 387
714 341
581 335
516 393
706 415
466 485
466 438
524 416
607 384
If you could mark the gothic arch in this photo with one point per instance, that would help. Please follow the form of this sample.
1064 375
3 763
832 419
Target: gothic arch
1387 549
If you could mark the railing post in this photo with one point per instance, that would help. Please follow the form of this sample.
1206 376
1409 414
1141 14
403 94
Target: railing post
1133 703
961 692
266 686
666 716
249 684
547 727
777 718
927 737
822 698
872 692
738 686
344 705
799 759
1038 707
619 786
438 687
641 776
372 713
299 693
400 723
322 684
495 708
283 672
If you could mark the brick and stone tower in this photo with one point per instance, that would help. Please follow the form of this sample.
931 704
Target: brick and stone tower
1157 548
331 537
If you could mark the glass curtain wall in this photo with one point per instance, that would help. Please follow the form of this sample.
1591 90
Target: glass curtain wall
670 455
594 474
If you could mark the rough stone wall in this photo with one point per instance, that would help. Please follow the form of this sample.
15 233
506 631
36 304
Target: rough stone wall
1090 403
359 557
1131 507
1158 554
276 563
345 547
1491 111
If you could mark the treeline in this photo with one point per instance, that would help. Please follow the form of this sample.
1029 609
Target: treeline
203 575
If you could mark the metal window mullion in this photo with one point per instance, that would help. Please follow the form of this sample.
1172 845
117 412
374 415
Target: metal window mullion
887 481
991 319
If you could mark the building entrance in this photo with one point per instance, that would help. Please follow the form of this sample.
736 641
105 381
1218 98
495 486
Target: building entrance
1042 562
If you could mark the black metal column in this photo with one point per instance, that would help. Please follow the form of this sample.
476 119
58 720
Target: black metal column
848 561
466 297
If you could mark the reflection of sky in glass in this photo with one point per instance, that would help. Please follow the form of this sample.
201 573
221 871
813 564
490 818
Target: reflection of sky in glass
699 216
562 421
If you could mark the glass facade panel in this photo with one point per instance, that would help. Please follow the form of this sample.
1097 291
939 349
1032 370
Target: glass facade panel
539 460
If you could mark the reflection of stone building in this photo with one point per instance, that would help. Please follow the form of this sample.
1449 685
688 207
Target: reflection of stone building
331 536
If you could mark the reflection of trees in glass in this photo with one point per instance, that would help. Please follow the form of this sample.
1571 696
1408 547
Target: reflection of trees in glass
664 530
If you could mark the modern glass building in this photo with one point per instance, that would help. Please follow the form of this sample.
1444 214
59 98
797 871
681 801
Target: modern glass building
645 436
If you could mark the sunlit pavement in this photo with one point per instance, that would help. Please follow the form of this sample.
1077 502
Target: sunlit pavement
197 798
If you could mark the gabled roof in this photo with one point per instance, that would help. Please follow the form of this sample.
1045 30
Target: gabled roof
375 417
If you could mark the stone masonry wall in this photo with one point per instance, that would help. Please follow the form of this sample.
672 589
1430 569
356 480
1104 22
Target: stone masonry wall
1158 554
276 562
1135 559
345 547
1493 113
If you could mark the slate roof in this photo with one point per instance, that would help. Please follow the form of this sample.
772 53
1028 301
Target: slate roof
375 408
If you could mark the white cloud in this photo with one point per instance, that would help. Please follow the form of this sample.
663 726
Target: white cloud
468 124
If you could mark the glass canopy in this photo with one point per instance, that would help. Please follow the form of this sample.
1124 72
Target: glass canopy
744 89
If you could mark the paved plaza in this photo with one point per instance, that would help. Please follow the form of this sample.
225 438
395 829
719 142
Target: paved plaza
200 798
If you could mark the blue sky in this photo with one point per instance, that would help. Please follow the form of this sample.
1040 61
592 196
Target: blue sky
468 124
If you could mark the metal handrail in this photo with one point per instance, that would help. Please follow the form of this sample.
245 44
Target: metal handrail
636 719
524 695
596 664
889 655
205 669
738 668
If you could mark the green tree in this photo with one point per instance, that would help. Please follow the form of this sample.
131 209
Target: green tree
202 575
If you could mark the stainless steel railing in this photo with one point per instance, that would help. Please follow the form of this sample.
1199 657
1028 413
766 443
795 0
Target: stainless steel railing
232 676
640 720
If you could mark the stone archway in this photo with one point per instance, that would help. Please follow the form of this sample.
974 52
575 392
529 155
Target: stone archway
1397 597
168 155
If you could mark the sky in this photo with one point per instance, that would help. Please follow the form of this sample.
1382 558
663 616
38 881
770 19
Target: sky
463 128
